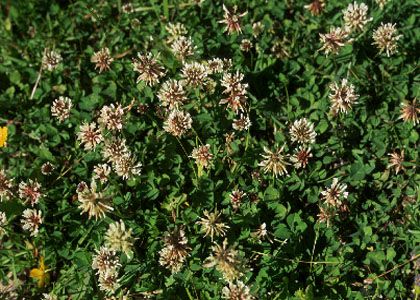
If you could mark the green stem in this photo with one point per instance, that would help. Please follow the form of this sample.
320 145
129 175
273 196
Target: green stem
313 247
196 134
186 154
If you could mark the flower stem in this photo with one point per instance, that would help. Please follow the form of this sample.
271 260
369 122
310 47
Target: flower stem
38 79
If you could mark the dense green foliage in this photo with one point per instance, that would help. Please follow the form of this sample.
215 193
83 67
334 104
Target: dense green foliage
367 250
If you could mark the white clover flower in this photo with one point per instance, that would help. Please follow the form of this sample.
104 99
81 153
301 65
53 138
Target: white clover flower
274 162
30 191
119 238
175 250
150 71
89 135
92 202
302 131
386 38
112 117
105 259
51 59
102 60
61 108
335 193
232 20
333 41
178 123
202 155
32 218
355 16
127 166
194 74
342 96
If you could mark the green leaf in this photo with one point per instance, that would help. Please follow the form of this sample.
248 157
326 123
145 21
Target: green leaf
322 127
282 232
111 90
15 77
271 194
45 153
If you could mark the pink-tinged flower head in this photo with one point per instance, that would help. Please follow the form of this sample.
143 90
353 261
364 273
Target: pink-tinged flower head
334 40
30 192
150 71
410 111
232 20
89 135
335 193
32 218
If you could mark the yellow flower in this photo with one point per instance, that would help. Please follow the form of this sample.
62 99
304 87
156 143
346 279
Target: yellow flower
40 274
3 136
